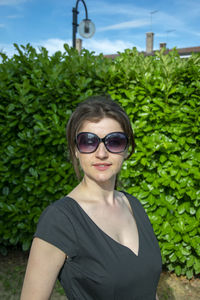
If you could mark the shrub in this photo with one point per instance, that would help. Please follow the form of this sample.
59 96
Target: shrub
160 94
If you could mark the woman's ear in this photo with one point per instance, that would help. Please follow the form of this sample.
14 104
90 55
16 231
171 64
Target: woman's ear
76 153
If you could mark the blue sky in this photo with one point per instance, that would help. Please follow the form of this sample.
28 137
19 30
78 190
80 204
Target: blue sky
120 24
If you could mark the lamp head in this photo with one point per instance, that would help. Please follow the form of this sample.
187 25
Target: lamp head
86 28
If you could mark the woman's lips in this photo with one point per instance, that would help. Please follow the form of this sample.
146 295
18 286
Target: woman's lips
102 166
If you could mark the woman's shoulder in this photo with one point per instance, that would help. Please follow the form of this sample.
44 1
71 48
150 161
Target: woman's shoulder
56 226
134 202
61 206
130 196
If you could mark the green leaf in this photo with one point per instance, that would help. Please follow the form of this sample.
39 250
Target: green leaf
5 191
190 261
184 251
163 158
198 214
177 238
33 172
173 257
197 265
191 140
192 210
186 238
189 274
143 194
26 245
173 184
178 270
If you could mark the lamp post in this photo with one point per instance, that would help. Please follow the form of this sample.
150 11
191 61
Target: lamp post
86 27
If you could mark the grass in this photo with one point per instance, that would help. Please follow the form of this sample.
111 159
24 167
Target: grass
12 270
11 281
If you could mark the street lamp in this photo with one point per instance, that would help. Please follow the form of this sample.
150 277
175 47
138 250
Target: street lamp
86 27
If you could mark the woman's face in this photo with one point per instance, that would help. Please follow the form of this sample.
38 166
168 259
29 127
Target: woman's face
101 166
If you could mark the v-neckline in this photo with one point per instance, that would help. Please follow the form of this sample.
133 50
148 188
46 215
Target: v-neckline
106 234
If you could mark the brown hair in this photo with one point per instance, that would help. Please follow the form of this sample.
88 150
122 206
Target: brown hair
94 109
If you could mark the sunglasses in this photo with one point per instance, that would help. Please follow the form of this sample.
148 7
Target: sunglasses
88 142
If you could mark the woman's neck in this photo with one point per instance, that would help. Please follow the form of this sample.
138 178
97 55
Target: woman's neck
99 192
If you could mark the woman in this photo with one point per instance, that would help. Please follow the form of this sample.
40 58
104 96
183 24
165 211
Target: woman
96 240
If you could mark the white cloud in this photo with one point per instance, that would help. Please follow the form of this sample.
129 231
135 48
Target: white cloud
125 25
8 49
107 46
52 45
166 34
14 17
11 2
104 46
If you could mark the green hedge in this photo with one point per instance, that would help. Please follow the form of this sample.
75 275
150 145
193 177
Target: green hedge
161 95
163 100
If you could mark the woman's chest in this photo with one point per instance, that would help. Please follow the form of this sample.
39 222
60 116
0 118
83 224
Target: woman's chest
119 224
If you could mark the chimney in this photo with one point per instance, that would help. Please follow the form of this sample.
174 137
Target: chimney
149 42
78 45
163 45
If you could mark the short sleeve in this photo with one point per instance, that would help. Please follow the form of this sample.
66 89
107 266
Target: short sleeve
56 228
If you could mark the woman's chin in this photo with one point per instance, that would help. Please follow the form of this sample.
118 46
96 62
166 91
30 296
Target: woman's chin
105 179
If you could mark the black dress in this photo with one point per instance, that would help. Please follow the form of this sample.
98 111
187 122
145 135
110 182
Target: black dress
98 267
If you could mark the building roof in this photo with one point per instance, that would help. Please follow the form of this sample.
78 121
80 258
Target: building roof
181 51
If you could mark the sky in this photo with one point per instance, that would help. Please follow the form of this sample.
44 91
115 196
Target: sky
120 24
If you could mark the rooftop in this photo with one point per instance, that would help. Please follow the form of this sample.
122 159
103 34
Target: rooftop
181 51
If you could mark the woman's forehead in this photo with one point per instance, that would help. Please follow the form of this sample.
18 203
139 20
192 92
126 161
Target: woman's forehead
103 125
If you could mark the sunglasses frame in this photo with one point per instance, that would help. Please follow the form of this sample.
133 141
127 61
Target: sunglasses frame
102 140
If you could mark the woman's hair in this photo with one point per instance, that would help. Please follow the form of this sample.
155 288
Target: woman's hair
94 109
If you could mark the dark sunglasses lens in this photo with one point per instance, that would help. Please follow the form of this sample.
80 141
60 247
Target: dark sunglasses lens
116 142
87 142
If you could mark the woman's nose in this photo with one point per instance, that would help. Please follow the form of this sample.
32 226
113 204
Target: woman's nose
101 151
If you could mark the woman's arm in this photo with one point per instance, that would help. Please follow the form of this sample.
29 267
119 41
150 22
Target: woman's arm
44 264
